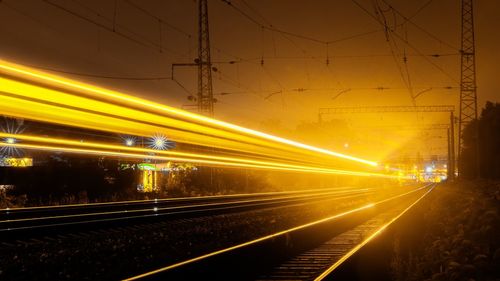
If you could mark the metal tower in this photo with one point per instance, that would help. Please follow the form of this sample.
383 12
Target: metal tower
468 97
205 99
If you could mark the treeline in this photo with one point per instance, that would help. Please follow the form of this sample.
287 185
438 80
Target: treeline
70 179
67 180
488 126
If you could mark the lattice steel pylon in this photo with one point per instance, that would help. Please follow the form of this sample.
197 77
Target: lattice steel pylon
468 95
205 99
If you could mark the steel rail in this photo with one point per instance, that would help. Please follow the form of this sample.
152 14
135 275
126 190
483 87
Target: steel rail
157 208
143 216
155 273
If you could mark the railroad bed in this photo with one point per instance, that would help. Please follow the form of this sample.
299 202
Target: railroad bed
123 248
308 252
42 221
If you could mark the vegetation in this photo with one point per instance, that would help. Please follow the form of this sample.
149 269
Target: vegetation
488 126
68 179
453 235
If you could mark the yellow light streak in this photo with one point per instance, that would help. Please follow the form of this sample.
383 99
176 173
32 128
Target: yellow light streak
146 150
50 113
304 169
57 107
23 72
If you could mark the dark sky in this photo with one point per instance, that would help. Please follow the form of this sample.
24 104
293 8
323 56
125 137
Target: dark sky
59 34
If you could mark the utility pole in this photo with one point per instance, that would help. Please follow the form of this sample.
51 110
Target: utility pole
205 98
451 148
468 96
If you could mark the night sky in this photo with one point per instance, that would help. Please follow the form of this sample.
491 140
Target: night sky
277 77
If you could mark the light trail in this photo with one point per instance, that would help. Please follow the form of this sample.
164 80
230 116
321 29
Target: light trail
55 107
304 169
37 77
95 145
25 106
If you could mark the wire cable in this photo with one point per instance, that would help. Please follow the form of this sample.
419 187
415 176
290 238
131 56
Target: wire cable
406 42
431 35
271 27
161 20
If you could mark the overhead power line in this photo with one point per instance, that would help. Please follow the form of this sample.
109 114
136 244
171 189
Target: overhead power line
313 57
126 33
393 47
425 5
264 94
270 27
404 40
100 75
431 35
159 19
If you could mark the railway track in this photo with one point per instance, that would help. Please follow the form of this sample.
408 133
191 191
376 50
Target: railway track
41 221
318 263
307 252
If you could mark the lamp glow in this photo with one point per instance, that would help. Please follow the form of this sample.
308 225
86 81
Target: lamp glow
129 142
160 142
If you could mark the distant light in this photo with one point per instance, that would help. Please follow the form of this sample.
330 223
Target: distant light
155 209
129 142
428 169
159 142
445 166
10 140
346 145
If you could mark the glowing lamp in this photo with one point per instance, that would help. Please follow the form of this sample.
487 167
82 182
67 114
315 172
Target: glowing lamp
129 142
159 142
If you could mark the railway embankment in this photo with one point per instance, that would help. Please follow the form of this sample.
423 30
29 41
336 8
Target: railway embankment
451 235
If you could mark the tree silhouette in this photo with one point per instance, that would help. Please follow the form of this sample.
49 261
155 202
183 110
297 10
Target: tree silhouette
489 145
